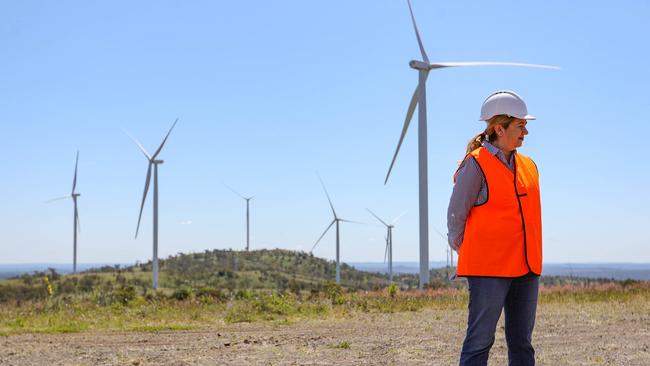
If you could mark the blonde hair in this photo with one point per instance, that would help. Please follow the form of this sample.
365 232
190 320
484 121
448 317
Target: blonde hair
489 133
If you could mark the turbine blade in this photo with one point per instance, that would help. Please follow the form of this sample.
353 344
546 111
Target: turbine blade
357 222
165 140
74 181
146 154
417 34
76 216
440 233
328 195
377 217
386 251
407 121
233 191
398 217
322 235
438 65
144 197
58 198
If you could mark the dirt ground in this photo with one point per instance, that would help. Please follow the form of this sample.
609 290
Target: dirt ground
604 333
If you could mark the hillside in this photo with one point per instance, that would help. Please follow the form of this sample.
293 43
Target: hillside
224 271
260 269
221 273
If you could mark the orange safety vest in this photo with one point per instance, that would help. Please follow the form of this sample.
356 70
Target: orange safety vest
503 236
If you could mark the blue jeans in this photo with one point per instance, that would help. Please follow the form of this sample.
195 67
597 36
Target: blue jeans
487 297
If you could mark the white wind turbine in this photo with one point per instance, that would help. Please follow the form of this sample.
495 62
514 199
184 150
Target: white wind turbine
419 99
76 227
389 242
153 162
336 221
450 252
248 200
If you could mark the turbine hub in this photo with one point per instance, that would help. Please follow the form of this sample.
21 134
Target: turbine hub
157 161
419 65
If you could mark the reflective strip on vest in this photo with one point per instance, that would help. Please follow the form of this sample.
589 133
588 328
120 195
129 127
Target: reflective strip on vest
503 236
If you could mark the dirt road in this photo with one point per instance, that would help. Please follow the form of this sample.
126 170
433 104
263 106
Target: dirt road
600 333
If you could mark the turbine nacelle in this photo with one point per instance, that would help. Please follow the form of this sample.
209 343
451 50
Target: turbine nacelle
420 65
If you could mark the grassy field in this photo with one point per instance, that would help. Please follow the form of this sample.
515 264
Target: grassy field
599 324
187 310
214 315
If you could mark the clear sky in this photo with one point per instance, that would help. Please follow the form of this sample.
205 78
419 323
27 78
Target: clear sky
269 93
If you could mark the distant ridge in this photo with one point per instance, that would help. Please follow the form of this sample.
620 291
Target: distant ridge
617 271
12 270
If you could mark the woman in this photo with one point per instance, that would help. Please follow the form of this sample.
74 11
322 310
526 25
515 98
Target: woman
494 222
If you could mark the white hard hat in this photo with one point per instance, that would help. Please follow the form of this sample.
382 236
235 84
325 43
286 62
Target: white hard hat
504 102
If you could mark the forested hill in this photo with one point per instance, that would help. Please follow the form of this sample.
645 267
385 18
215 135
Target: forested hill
223 272
262 269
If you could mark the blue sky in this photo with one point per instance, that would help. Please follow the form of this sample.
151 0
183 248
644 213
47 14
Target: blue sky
269 93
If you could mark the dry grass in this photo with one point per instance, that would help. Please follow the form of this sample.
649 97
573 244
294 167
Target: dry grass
58 315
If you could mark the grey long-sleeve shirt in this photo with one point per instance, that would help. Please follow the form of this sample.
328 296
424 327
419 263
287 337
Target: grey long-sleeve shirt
470 190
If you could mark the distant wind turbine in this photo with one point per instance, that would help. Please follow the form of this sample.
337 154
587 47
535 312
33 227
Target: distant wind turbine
248 200
419 99
336 221
389 242
153 162
450 252
76 227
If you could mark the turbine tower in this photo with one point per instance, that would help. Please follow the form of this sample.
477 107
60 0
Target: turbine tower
248 200
419 99
389 242
75 221
153 163
336 221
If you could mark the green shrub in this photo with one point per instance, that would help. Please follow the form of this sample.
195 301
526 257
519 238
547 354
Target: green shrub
334 293
240 312
124 295
392 290
275 304
181 294
244 295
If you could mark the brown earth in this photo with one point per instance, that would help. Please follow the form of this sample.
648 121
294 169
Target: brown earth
598 333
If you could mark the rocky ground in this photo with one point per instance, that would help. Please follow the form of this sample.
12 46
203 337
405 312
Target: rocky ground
597 333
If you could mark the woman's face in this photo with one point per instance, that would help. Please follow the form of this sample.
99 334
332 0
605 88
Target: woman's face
512 137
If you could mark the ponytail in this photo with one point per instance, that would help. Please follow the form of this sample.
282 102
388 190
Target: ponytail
476 142
490 133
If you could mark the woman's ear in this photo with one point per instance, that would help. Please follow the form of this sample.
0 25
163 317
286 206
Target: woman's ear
499 130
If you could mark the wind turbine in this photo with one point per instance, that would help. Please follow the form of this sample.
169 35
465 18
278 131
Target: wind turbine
419 99
153 162
76 227
389 242
450 252
248 200
336 221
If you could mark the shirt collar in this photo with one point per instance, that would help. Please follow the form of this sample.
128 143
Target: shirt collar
495 150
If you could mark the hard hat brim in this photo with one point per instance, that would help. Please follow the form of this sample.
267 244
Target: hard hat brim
526 117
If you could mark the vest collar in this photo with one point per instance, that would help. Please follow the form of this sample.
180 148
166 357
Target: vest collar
498 153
